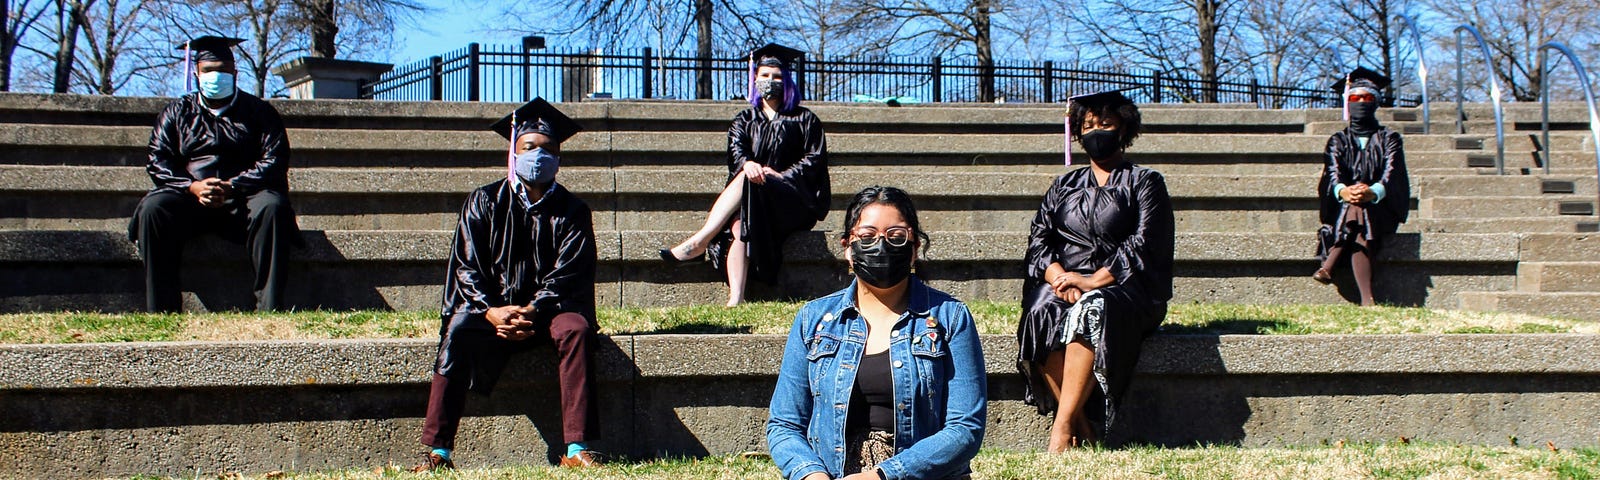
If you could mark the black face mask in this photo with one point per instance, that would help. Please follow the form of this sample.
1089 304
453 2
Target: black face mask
1100 143
881 265
1363 117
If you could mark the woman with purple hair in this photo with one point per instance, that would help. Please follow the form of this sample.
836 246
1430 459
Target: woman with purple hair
777 179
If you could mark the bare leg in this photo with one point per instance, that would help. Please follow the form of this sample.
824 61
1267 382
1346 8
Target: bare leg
1076 369
726 206
738 267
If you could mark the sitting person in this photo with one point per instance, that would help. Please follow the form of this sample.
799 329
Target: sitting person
777 179
1099 275
521 273
1364 191
220 162
904 357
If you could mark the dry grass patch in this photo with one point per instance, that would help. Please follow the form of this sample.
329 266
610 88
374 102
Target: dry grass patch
756 318
1355 461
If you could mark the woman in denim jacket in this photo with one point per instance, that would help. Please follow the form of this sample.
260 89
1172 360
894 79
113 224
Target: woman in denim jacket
884 379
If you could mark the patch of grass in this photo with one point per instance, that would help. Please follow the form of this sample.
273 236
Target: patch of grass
1358 460
758 317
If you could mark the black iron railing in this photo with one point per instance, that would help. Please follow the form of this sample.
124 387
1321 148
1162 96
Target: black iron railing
506 73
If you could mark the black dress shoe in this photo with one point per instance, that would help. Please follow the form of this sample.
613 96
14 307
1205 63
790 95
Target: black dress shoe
667 256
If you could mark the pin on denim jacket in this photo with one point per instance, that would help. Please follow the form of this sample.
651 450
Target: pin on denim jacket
940 387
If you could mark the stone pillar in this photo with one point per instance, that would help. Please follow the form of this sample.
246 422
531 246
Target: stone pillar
322 78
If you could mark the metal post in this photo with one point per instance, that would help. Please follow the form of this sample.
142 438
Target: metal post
938 80
1049 81
1588 97
436 78
1494 95
472 72
1155 82
527 75
644 70
1410 21
1255 92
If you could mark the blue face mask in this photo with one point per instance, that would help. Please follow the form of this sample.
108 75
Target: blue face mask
216 85
537 166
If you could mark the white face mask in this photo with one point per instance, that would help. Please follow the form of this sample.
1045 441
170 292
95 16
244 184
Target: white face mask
216 85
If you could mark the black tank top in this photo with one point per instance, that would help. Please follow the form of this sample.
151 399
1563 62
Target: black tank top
872 399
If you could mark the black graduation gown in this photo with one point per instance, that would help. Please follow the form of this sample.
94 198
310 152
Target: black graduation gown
245 144
1126 226
505 254
792 144
1346 163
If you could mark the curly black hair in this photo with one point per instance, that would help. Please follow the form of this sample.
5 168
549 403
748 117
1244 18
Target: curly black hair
1128 113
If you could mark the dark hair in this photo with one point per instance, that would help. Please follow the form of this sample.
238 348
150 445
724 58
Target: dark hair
1128 113
881 195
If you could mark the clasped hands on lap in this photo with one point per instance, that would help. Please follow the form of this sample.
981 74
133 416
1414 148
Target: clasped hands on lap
757 173
1358 193
511 322
1070 286
212 192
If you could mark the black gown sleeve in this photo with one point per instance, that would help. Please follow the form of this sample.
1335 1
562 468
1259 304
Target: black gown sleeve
476 287
1146 256
739 143
572 278
271 169
1329 203
1043 241
166 166
1396 181
815 154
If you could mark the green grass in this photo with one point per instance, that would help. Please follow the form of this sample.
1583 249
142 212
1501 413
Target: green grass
759 318
1340 461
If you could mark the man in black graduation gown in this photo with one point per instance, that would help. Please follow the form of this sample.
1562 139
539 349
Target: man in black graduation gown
521 273
219 159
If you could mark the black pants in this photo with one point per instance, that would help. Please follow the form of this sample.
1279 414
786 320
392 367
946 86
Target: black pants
570 332
167 219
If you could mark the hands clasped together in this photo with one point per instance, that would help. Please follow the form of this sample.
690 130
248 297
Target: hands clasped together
1358 193
511 322
212 192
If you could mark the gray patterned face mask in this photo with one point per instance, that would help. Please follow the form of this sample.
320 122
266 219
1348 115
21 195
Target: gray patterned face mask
770 88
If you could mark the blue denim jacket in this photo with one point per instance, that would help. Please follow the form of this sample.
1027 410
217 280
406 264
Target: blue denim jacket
940 387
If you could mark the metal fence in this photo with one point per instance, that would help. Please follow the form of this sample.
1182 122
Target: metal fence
506 73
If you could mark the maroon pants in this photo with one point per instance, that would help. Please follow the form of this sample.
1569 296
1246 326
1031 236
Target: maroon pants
571 334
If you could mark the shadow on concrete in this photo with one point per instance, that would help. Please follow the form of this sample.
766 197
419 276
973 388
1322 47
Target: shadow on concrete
1181 409
1244 326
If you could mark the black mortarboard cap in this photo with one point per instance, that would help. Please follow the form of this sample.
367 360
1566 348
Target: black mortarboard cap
784 55
1102 99
537 116
1364 74
211 48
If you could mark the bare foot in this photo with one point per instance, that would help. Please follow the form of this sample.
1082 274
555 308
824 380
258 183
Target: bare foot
686 251
1061 438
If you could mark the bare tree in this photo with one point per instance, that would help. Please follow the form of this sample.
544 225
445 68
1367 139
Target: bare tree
329 22
271 35
69 20
15 23
948 25
1514 30
120 44
1168 36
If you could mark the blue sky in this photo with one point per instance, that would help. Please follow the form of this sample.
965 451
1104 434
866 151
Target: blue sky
452 25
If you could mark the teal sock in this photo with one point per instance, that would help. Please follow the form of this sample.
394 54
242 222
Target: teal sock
574 448
442 453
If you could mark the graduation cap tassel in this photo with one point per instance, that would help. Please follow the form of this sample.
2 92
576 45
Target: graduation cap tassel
1346 98
511 151
1067 128
187 78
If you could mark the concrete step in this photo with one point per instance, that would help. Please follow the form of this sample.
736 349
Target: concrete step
1427 186
1559 276
127 145
403 270
1549 224
1560 247
1506 206
1578 305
